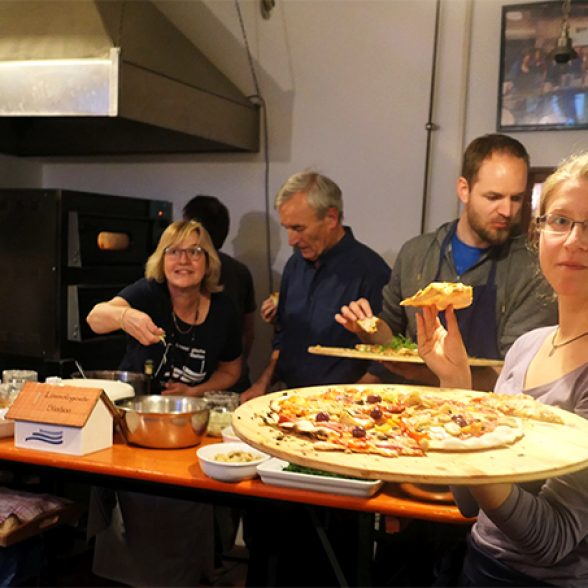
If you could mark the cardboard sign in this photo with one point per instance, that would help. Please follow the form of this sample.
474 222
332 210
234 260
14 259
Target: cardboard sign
58 405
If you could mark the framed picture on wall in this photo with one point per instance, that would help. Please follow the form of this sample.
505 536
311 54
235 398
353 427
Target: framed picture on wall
536 92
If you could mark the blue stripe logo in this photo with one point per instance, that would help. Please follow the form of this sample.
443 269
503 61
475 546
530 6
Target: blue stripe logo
44 436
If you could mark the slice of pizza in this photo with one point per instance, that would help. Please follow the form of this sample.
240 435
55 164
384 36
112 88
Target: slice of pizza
441 295
369 324
399 345
520 405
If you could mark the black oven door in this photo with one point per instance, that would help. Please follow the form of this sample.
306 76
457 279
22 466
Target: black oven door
81 298
96 240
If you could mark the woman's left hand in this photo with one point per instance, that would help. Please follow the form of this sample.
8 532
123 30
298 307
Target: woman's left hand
178 389
443 350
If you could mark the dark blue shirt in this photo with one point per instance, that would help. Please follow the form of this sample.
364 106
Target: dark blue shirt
310 296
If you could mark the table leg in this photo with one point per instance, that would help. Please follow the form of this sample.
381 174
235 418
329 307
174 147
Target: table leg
364 552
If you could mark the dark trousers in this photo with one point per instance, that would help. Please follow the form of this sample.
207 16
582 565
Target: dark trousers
424 553
285 549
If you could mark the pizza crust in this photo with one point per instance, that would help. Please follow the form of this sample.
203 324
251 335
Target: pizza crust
441 295
499 437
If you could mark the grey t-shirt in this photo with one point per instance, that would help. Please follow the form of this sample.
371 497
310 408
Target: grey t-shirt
542 528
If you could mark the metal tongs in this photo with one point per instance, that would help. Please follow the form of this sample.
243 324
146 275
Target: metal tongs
166 346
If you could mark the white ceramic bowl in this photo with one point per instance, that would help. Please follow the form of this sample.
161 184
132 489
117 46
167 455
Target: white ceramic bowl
229 435
229 471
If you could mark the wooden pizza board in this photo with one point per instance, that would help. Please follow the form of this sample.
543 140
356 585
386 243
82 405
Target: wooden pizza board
546 449
355 354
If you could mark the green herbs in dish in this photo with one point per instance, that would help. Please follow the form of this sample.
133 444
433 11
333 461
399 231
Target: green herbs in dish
292 467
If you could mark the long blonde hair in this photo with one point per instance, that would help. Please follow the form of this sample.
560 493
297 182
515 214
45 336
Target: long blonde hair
574 167
173 235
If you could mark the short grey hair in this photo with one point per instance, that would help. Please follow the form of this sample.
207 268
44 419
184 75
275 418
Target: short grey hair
321 191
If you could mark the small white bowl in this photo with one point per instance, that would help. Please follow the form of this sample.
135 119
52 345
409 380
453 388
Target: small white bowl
228 471
229 435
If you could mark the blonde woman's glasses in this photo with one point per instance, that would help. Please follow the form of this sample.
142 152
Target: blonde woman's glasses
193 253
558 224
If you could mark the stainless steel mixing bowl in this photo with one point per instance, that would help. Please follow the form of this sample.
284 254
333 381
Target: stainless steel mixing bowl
164 422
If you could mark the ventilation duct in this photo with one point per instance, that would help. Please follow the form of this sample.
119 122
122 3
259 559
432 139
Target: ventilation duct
94 77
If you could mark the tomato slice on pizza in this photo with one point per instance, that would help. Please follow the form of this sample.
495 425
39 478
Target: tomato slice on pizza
441 295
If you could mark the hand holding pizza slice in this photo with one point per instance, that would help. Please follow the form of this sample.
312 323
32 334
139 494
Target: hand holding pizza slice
442 349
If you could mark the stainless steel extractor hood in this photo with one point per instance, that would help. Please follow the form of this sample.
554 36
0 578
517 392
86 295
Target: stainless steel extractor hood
99 77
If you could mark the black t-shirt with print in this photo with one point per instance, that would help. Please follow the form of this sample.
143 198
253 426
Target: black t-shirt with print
192 353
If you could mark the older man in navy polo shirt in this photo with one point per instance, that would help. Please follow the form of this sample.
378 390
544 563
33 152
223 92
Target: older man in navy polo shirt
327 267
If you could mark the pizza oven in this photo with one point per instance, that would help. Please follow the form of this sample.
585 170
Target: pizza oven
61 252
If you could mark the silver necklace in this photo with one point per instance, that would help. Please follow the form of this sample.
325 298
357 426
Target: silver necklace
555 345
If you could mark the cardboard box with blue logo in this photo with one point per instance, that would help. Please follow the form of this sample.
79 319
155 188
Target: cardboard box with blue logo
62 419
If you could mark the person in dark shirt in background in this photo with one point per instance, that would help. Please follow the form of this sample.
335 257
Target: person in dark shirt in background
235 276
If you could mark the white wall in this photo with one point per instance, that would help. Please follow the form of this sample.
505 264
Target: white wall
347 88
19 173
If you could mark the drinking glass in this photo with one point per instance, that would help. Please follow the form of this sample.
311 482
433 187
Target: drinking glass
222 405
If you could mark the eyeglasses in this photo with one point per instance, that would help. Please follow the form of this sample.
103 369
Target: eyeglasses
193 253
558 224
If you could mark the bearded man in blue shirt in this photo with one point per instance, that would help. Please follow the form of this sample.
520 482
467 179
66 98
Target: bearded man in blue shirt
328 268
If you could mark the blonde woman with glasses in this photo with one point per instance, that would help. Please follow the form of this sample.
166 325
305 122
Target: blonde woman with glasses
176 317
533 534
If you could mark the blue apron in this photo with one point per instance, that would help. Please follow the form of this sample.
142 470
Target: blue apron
477 322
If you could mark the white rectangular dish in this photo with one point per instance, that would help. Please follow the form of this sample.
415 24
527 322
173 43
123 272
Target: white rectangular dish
272 472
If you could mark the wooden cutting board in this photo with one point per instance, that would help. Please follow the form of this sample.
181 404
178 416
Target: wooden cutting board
546 450
356 354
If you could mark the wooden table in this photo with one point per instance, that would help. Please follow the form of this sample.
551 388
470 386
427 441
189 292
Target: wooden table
177 473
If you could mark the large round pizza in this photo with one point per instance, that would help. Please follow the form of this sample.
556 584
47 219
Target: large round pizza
416 434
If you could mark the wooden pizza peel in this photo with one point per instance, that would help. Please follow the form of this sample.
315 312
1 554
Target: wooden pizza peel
372 355
546 449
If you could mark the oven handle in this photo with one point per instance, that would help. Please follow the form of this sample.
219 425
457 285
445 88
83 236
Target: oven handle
74 255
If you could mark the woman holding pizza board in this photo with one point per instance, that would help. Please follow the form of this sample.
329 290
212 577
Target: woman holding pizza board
533 534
